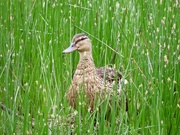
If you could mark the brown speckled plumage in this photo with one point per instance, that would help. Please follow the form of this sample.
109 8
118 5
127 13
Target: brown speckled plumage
93 82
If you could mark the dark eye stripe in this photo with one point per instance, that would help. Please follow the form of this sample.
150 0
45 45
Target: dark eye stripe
80 39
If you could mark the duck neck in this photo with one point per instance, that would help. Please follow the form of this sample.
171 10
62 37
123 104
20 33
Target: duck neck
86 61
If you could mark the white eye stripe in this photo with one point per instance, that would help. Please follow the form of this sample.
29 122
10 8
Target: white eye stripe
83 37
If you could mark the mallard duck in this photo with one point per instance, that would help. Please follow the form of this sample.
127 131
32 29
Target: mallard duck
94 82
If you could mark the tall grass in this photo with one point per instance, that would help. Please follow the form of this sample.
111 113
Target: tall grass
34 75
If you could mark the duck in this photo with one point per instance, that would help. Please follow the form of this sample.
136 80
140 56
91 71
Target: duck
88 80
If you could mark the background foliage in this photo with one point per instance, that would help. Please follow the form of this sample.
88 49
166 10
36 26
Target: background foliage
34 75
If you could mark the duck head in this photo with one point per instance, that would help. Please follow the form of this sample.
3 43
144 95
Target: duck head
81 43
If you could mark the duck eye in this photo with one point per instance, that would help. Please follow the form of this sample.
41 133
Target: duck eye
83 38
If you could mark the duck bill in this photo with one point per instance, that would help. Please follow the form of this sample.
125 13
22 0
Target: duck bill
70 49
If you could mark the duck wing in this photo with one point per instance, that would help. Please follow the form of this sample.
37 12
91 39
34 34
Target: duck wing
110 75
